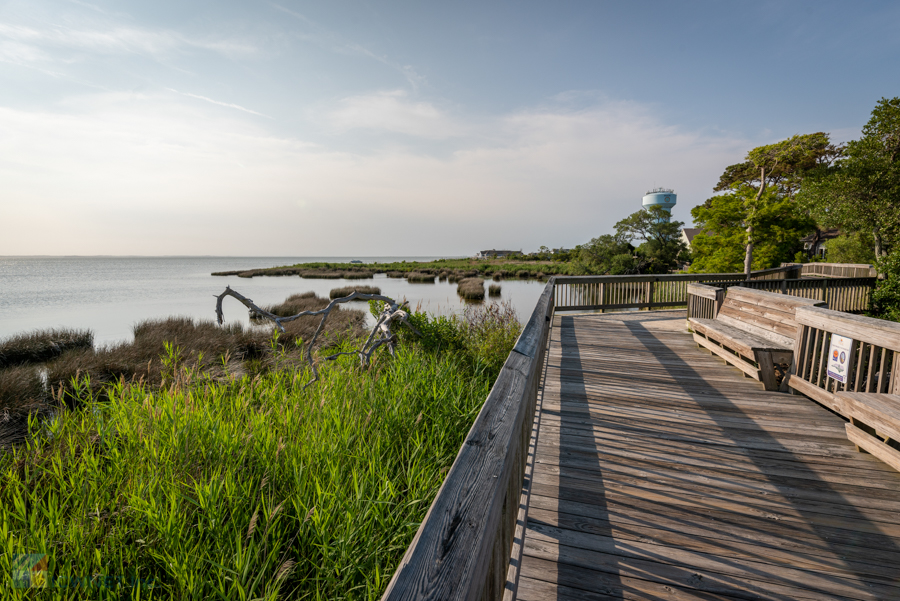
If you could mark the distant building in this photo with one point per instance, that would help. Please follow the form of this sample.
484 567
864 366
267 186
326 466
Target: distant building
687 235
496 254
814 244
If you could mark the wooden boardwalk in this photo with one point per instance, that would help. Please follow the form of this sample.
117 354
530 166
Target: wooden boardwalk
661 473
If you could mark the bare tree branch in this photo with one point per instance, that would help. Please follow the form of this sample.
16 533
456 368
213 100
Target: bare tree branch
380 335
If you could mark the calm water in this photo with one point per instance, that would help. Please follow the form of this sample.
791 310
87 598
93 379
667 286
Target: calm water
110 294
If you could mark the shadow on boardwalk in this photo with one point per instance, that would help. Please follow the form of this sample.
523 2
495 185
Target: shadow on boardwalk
661 473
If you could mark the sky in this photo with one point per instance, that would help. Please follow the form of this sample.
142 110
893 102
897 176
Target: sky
402 128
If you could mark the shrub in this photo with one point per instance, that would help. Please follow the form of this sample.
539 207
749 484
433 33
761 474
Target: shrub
471 288
41 345
886 296
494 290
348 290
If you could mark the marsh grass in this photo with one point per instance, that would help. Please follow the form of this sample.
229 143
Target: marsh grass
42 345
471 288
250 488
21 388
494 290
348 290
419 277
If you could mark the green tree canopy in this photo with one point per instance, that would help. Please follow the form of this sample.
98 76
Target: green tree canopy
720 247
860 192
662 243
605 255
778 168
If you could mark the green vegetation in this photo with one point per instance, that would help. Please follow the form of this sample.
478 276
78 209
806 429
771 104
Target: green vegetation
348 290
769 175
471 288
530 266
855 247
614 254
247 486
778 224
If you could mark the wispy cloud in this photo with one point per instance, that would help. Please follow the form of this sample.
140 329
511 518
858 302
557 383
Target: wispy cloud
226 104
44 43
147 174
330 40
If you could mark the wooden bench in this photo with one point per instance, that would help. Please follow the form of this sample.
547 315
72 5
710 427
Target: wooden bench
752 330
874 424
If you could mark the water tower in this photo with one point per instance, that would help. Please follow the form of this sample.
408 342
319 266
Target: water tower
660 197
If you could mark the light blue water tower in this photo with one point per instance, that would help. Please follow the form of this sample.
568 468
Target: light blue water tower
660 197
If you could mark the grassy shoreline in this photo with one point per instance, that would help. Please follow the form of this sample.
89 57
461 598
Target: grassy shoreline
251 486
461 268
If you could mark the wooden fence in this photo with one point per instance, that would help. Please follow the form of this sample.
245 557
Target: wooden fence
462 548
850 295
874 364
611 292
835 270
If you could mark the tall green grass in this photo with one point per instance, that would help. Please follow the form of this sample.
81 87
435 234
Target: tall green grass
251 488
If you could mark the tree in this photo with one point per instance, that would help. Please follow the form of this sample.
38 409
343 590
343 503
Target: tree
861 191
720 247
605 255
662 238
781 166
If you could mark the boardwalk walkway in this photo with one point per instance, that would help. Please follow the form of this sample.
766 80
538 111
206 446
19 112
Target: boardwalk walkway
662 473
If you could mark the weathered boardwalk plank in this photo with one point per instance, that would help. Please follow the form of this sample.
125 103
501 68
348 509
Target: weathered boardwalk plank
658 472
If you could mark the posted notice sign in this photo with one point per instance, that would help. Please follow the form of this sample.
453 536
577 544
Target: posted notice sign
839 357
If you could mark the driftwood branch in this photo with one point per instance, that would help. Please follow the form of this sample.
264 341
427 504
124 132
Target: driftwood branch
380 335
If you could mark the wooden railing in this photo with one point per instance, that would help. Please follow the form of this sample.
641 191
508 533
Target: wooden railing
704 301
611 292
607 292
835 270
850 295
874 358
462 548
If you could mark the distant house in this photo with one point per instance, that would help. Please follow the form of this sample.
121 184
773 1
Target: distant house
814 244
687 235
496 254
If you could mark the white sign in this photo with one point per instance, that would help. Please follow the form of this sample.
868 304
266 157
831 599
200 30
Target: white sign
839 357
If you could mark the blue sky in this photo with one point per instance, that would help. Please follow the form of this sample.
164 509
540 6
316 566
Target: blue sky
406 128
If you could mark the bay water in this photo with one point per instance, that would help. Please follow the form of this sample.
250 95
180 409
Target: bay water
109 295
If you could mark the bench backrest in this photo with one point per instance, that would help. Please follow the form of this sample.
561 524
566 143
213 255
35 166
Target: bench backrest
765 314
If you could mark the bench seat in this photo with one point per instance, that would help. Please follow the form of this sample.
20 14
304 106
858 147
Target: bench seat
874 423
741 341
752 330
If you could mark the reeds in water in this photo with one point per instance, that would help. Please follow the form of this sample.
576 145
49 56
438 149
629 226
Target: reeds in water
471 288
348 290
420 277
494 290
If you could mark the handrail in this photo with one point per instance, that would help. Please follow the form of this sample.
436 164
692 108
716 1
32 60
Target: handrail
611 292
835 270
873 363
461 550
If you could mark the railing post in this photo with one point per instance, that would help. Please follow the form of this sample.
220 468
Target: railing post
649 295
602 296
